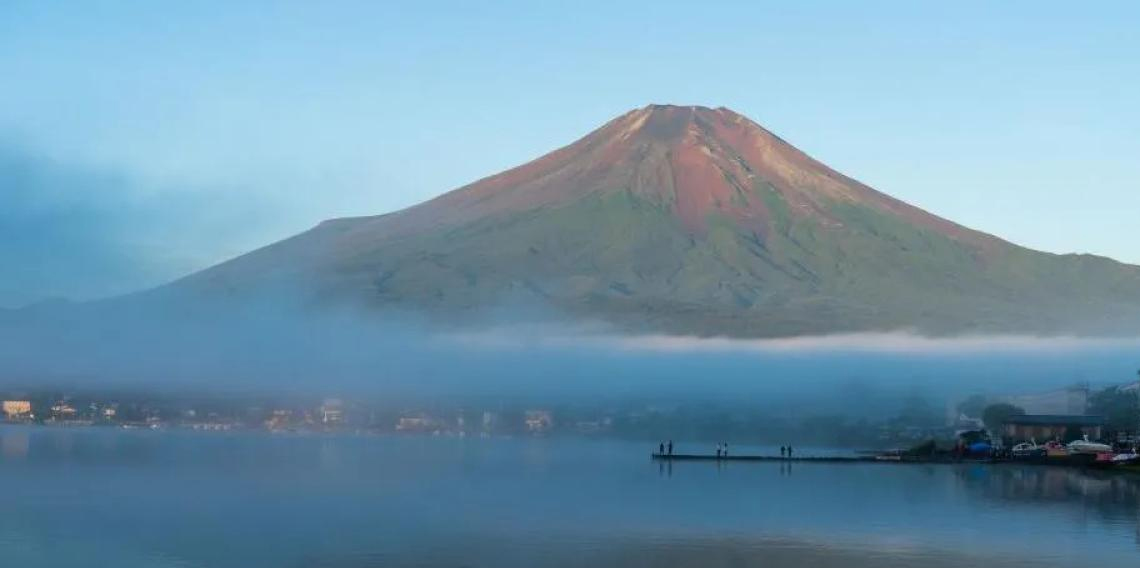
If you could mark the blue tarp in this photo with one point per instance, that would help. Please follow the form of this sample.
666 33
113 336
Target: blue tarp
980 448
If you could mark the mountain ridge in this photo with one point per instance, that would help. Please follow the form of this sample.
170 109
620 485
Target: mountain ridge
690 219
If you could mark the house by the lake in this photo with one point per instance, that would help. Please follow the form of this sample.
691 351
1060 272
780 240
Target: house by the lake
1042 427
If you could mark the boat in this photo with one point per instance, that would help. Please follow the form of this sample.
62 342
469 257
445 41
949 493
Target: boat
1054 449
1126 458
1087 448
1028 450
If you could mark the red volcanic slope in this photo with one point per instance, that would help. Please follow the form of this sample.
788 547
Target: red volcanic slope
693 158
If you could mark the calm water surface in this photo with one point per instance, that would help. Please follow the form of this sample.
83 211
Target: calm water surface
157 499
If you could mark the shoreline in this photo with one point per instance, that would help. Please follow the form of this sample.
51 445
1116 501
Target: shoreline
1071 463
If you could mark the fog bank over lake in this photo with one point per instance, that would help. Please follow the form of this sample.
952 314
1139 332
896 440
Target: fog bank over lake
272 346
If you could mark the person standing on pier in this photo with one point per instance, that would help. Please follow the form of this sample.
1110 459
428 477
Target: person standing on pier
725 445
661 449
670 447
783 451
718 451
789 452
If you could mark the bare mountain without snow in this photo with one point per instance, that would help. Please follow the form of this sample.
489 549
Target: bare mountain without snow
688 220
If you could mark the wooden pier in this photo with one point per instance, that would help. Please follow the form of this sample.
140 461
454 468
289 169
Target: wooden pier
1079 462
758 458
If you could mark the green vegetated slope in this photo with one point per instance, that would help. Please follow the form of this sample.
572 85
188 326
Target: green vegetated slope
619 257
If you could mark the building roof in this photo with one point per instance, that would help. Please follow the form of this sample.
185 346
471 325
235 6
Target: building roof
1055 420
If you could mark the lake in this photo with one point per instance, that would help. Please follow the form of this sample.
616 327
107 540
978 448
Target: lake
135 498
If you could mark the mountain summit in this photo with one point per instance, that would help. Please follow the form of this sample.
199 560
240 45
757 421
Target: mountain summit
687 219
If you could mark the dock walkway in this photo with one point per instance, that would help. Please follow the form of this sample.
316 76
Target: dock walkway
894 459
759 458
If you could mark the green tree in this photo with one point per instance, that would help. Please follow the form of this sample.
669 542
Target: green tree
927 448
973 436
995 415
1120 408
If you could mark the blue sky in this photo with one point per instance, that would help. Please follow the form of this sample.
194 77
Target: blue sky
142 140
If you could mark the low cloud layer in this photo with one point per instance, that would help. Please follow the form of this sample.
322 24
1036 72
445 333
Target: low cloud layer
271 346
901 343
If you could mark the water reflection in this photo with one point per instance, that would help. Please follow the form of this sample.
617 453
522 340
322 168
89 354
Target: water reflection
247 500
734 552
14 443
1111 496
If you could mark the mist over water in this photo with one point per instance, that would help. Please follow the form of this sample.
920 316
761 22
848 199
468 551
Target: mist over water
242 346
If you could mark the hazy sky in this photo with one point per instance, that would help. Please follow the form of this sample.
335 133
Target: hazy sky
142 140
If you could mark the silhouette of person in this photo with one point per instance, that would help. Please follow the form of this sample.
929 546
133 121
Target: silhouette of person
661 449
718 451
783 451
670 447
725 449
789 452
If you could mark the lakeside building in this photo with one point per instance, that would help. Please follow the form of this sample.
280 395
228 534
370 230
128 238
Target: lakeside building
539 421
417 423
332 411
1044 427
593 426
63 411
279 419
17 410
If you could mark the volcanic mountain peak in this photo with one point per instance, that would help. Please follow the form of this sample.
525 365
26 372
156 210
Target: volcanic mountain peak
696 220
699 162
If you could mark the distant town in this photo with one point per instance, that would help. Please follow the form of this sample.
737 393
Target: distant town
1111 413
329 414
